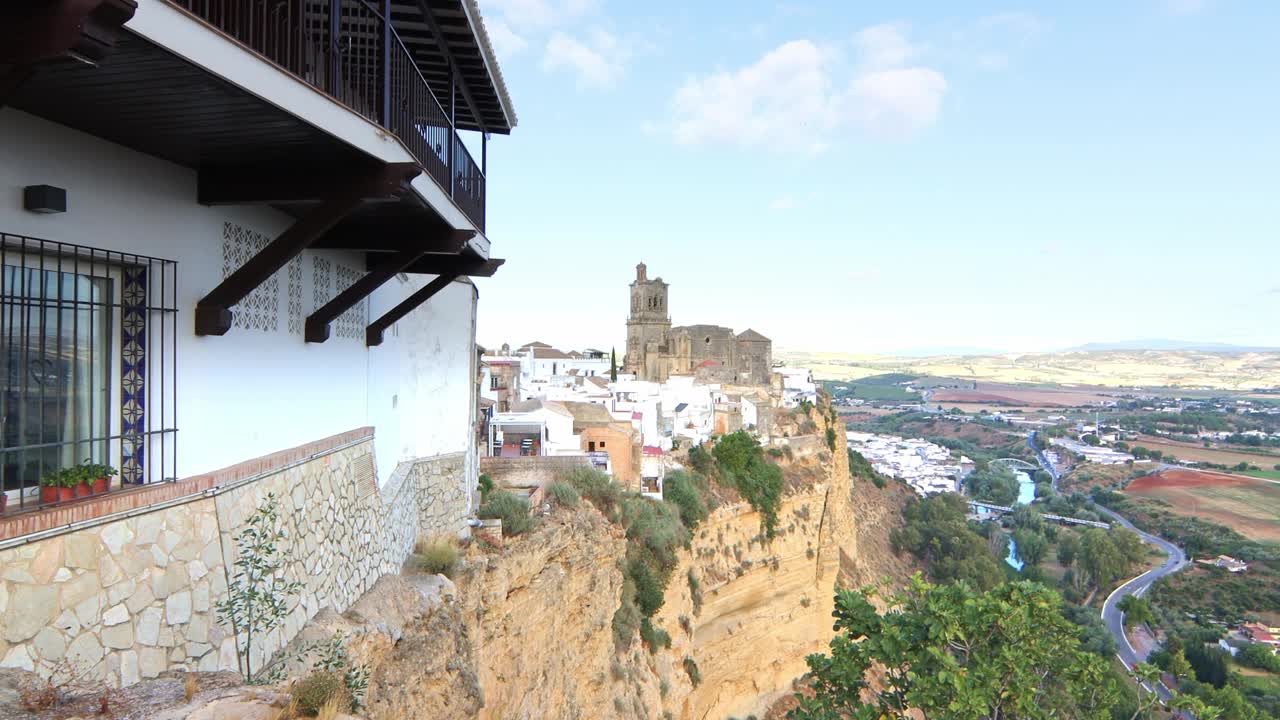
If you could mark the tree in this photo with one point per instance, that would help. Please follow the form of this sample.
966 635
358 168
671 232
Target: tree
258 596
935 531
1091 439
1032 546
953 652
1136 611
1068 548
613 364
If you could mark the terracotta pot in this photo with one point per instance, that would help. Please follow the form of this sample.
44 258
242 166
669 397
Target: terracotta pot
83 489
49 493
101 485
66 493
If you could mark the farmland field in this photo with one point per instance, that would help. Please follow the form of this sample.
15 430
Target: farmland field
1250 507
1199 453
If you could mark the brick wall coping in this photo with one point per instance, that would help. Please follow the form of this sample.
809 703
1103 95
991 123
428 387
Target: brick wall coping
30 526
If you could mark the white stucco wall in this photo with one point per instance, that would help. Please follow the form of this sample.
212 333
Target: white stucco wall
250 392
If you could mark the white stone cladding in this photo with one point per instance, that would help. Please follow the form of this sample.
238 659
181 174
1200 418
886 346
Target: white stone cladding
131 598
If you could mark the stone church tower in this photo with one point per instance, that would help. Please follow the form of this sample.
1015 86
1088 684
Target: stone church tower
647 325
711 353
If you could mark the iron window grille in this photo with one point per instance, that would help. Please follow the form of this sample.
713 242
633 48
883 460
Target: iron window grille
88 361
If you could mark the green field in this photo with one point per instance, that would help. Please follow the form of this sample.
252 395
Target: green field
1264 474
871 392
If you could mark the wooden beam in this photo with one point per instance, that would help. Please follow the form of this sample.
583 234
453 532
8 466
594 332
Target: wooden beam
455 265
33 31
370 237
213 311
317 326
276 185
373 334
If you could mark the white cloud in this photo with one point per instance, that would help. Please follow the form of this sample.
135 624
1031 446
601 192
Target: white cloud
597 62
786 202
789 99
884 46
782 98
893 103
505 41
991 42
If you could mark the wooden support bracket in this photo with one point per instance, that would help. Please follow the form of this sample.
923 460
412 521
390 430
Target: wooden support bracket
213 312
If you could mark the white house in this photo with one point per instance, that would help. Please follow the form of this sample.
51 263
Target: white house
797 386
533 428
234 245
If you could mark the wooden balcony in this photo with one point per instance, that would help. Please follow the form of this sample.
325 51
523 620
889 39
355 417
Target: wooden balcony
370 56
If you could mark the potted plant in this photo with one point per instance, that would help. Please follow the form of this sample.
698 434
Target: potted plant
99 476
80 478
68 478
50 484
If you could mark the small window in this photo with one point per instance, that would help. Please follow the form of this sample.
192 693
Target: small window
591 446
601 444
493 382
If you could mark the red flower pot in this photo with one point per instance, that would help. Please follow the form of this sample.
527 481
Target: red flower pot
83 489
101 485
49 493
66 493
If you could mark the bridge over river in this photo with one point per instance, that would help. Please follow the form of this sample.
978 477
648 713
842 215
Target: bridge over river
979 505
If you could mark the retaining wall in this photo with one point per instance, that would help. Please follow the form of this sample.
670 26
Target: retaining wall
131 593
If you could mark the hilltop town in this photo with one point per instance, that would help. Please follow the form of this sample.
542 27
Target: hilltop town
676 388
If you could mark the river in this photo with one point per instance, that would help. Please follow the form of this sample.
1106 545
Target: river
1026 493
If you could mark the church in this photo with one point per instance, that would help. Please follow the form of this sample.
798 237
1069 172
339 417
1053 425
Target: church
655 350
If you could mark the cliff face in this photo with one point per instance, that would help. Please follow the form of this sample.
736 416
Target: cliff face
529 632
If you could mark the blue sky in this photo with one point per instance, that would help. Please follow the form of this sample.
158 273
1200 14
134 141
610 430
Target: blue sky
885 176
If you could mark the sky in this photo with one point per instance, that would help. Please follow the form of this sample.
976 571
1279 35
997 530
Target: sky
885 177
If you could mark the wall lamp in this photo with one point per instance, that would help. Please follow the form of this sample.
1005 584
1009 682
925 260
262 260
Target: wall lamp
44 199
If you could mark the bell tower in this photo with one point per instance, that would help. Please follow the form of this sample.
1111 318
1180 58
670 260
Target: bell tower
647 325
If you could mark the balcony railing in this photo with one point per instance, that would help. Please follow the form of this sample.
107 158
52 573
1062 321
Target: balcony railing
349 50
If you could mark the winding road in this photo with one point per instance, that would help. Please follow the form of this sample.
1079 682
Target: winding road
1175 560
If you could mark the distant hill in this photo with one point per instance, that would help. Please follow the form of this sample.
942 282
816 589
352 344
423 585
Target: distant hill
1227 370
1167 345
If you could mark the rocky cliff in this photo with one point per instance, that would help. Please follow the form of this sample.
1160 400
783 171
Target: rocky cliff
527 633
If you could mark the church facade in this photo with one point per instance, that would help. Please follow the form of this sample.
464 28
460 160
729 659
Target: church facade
656 350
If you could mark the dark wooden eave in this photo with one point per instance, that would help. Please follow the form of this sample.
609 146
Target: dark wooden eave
33 32
449 243
449 269
213 311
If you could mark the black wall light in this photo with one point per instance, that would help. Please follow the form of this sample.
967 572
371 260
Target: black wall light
44 199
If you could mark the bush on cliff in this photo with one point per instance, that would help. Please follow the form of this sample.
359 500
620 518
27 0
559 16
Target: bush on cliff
680 489
437 556
742 465
513 511
564 494
596 488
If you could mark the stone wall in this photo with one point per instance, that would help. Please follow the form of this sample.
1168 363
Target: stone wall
530 471
128 596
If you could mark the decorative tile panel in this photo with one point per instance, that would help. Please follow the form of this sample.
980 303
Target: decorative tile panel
133 374
259 309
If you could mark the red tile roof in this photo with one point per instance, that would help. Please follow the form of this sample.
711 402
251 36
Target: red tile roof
652 451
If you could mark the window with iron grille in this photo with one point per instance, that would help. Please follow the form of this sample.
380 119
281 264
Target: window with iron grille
88 353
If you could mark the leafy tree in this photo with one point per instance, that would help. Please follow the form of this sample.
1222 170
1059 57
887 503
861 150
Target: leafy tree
1136 610
258 596
935 531
994 485
1068 548
1091 439
1106 555
1032 546
953 652
1259 656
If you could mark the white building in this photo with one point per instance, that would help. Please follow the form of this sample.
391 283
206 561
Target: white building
927 467
533 428
797 386
232 248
